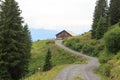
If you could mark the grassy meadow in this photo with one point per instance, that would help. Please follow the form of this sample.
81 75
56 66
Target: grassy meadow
49 75
59 60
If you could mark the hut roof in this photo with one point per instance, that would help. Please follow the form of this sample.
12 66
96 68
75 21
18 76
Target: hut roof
70 32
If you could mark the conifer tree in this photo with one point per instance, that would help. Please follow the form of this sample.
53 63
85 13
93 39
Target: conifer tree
47 65
12 42
27 46
114 11
27 39
100 10
100 28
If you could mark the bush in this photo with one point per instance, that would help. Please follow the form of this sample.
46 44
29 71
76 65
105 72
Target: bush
105 69
88 49
112 40
93 42
84 43
117 56
72 43
78 46
104 57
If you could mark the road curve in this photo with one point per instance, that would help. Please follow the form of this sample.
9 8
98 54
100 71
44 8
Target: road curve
85 71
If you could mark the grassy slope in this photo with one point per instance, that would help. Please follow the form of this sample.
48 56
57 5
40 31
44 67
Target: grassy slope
60 59
50 75
110 63
85 44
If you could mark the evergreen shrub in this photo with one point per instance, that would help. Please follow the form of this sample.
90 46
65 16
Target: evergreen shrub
112 40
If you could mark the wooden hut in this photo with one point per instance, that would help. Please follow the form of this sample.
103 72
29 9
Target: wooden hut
65 34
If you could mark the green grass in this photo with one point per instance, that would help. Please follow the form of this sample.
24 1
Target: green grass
85 44
38 53
103 77
78 78
50 75
60 59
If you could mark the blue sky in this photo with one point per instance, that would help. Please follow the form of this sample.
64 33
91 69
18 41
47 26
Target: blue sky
42 34
47 17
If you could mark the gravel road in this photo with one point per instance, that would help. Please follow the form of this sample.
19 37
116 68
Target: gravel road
85 71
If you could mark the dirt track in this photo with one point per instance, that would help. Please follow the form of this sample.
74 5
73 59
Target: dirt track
85 71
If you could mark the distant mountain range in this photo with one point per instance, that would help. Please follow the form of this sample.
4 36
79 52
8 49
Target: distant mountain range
42 34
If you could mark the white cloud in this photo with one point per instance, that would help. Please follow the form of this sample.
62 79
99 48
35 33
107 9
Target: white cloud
58 14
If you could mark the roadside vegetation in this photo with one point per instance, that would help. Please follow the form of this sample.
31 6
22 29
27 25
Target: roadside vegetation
103 41
106 49
78 78
59 59
49 75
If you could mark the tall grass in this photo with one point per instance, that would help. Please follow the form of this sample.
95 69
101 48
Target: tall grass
60 58
49 75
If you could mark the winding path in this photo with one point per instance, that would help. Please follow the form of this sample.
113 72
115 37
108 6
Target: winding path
85 71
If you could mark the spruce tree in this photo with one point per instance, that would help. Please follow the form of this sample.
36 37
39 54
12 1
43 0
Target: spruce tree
27 47
114 11
100 28
27 40
13 51
100 10
47 65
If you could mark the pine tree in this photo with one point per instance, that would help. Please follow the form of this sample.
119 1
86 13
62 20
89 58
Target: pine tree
12 42
47 65
27 40
100 28
27 47
114 11
100 10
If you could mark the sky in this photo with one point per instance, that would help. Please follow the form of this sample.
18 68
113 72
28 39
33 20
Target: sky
58 15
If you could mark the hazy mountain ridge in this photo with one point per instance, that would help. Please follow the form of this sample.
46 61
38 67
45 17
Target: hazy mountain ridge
42 34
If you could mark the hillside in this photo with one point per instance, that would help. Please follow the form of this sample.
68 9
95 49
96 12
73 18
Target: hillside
59 59
110 61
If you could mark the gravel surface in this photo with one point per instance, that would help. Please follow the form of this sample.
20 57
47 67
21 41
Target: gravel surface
85 71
